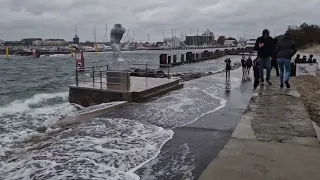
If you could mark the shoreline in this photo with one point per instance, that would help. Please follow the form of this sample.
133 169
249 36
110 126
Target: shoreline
50 138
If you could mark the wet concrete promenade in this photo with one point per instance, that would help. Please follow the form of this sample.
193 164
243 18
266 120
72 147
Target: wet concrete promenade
275 139
201 127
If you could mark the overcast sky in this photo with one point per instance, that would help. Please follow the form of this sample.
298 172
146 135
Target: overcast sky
57 18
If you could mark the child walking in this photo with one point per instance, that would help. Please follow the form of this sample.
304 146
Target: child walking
256 75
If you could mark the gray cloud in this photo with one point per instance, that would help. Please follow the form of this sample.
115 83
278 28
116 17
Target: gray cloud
56 19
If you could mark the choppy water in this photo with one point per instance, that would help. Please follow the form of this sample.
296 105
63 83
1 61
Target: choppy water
34 93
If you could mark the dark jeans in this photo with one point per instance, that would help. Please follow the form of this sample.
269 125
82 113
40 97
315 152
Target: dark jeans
274 64
256 83
264 63
227 73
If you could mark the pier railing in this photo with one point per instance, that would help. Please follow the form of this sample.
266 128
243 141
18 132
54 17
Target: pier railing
99 75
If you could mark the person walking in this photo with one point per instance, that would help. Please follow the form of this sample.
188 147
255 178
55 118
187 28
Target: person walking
244 66
249 64
265 48
228 68
256 70
286 49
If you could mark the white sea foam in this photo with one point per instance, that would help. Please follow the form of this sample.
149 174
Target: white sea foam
197 99
101 149
59 55
19 119
111 148
179 162
98 107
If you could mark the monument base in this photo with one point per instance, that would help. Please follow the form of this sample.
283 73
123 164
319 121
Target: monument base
118 78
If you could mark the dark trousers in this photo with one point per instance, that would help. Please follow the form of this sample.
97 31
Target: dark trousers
228 68
274 64
293 69
256 75
227 73
256 82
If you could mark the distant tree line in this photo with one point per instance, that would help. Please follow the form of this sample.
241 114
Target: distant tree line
304 35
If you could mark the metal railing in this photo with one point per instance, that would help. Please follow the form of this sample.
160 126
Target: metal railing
99 74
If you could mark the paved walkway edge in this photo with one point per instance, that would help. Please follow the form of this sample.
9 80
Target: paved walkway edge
317 129
246 157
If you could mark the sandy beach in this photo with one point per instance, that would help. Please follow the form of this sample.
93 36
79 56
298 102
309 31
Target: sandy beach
308 87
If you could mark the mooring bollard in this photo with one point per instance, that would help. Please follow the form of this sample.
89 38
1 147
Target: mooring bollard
100 79
163 60
93 75
189 57
169 59
174 59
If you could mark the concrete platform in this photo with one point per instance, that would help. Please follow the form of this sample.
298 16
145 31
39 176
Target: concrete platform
275 139
140 89
251 160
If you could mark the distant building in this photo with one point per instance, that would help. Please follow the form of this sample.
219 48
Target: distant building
37 42
232 42
29 41
13 43
172 42
49 42
207 38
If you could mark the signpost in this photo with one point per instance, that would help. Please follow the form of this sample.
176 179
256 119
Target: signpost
79 60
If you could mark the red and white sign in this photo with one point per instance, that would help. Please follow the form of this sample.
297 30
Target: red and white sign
79 60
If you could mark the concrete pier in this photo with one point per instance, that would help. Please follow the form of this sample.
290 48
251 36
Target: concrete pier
140 89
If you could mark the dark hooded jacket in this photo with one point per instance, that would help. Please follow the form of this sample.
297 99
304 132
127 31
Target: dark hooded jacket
286 48
268 49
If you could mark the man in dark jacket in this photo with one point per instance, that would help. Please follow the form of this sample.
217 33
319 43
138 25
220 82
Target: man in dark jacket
244 66
265 48
286 49
228 68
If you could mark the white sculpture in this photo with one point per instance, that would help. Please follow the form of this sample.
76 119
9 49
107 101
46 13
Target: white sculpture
115 38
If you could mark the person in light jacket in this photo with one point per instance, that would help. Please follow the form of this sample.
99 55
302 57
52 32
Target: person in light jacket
286 49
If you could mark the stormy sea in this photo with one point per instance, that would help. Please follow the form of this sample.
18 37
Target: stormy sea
34 94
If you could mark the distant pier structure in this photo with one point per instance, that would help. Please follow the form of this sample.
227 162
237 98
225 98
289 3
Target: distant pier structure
76 39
